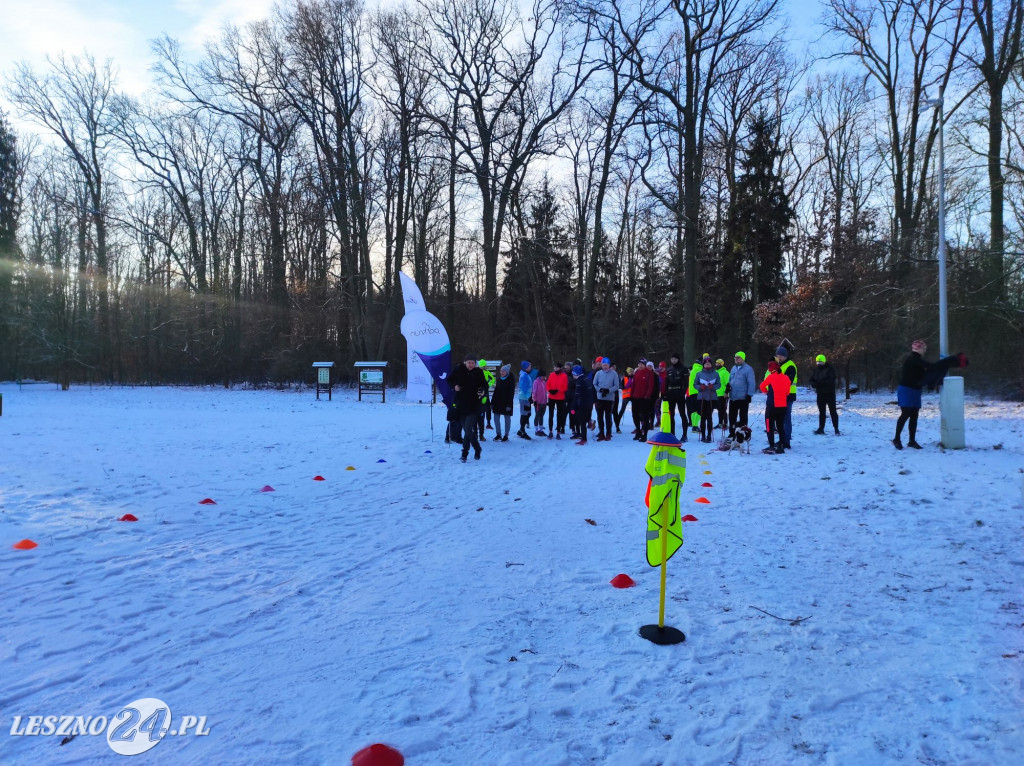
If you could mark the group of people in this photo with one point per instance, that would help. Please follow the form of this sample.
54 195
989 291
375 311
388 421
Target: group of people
569 396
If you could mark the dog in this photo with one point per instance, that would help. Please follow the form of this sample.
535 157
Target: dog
740 441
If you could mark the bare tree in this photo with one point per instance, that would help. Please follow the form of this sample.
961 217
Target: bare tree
907 49
496 102
998 37
681 51
73 100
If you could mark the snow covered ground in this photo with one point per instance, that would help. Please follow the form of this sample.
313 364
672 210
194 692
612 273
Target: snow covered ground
844 603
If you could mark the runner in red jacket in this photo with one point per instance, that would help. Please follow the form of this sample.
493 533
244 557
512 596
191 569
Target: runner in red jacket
644 386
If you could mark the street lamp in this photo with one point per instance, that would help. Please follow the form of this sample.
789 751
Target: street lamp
943 313
951 401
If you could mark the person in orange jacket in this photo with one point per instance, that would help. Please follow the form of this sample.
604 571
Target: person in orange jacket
776 385
558 386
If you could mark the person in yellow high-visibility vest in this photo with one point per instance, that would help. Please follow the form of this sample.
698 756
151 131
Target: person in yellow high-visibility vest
788 367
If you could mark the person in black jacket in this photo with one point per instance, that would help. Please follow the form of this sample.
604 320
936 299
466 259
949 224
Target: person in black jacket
582 402
915 374
823 381
470 387
677 381
503 402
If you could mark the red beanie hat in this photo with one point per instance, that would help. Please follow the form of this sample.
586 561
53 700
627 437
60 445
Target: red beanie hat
774 366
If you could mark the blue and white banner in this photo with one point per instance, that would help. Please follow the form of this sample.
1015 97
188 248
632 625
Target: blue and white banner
429 340
418 383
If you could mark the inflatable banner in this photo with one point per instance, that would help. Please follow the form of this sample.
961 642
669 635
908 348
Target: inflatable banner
418 380
429 340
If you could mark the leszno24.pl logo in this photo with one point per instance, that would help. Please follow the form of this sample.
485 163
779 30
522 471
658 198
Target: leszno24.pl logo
137 727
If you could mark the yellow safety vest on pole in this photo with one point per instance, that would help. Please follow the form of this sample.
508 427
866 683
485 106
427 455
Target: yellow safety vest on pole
666 466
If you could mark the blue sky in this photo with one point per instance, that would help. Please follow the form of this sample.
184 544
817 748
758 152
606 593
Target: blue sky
121 30
115 29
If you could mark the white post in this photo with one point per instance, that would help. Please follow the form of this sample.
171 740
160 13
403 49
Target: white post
951 407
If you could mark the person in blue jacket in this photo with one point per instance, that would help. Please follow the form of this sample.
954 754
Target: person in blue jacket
525 395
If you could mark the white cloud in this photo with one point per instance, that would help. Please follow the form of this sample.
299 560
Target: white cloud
208 17
33 29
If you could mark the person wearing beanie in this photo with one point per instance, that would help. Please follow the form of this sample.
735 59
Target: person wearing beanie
723 392
503 402
692 402
582 403
626 393
776 386
788 368
525 395
470 387
915 374
677 381
644 382
708 383
557 387
742 386
823 381
570 392
606 383
540 402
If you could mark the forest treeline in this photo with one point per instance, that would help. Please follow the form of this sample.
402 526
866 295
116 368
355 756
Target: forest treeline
560 179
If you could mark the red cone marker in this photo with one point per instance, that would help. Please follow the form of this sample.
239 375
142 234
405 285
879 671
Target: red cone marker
378 755
128 517
622 581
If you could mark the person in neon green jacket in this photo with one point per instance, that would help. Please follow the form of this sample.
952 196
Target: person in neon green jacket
692 405
486 403
723 375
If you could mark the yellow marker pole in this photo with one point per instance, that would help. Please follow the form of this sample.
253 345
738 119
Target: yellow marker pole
664 563
659 634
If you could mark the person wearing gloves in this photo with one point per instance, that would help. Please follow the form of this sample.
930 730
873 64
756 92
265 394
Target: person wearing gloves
558 387
470 387
823 381
503 402
582 402
742 386
723 392
707 392
788 368
776 385
677 381
606 384
915 374
524 393
540 402
644 382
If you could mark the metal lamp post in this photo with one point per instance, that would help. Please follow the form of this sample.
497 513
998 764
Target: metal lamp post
951 403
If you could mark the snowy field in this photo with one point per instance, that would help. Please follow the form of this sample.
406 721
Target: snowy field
843 603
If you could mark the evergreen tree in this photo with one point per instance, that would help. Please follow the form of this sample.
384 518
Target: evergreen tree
540 271
756 232
9 209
